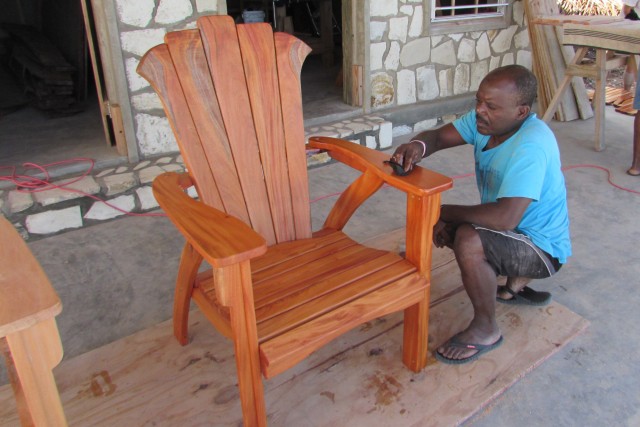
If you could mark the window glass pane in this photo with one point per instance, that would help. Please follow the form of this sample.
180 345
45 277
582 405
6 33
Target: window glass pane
448 10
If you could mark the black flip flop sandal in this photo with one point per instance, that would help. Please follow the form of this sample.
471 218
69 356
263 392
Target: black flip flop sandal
526 296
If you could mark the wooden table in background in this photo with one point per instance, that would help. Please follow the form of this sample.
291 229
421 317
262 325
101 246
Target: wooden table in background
28 332
602 33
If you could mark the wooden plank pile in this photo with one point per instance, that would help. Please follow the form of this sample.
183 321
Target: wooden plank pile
550 59
42 70
621 99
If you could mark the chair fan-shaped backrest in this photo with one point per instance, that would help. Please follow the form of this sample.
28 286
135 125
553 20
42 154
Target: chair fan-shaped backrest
232 96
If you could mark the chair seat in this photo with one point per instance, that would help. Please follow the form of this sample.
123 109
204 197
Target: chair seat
297 283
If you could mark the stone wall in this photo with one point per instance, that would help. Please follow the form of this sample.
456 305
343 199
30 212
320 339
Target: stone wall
406 66
142 24
409 67
93 196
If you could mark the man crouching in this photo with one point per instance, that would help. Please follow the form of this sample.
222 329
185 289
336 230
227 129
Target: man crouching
520 229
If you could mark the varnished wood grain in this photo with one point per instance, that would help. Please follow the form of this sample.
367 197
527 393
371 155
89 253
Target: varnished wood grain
188 58
302 291
157 67
223 54
221 239
237 279
351 199
422 213
323 260
420 182
190 261
285 251
291 312
291 347
290 54
259 60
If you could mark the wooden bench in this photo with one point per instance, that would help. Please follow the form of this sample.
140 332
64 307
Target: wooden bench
28 332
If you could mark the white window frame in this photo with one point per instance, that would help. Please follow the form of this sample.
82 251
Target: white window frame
437 25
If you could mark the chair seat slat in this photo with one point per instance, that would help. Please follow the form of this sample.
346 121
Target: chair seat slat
329 253
287 349
337 289
312 271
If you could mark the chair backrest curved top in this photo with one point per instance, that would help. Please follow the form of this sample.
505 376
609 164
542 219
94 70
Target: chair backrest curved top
232 95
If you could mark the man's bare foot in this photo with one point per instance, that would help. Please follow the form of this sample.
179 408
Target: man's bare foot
516 284
633 171
468 345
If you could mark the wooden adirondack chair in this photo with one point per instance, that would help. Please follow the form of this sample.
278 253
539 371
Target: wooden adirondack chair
279 291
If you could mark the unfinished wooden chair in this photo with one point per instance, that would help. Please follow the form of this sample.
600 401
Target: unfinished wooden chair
29 337
232 95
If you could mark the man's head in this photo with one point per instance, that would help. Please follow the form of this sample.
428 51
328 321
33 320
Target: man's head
504 100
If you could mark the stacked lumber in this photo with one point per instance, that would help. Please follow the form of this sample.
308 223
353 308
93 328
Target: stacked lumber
621 99
612 95
623 102
550 59
42 70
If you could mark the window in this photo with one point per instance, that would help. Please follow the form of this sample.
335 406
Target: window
449 16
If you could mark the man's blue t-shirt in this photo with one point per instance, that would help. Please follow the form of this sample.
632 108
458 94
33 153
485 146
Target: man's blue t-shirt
525 165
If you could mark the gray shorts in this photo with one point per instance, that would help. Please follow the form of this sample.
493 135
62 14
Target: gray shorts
512 254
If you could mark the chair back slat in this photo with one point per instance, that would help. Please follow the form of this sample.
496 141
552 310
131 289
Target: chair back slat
222 50
188 56
290 54
157 67
259 59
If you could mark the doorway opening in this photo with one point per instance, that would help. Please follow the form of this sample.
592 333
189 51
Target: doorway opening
319 24
51 111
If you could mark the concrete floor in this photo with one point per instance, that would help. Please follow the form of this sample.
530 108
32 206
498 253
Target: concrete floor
117 278
29 135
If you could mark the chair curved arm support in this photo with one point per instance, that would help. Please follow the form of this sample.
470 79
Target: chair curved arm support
418 185
221 239
420 182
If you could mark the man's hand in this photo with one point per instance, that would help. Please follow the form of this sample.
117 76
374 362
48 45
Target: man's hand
408 155
443 233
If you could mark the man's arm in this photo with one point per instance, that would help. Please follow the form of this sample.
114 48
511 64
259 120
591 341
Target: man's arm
446 136
504 214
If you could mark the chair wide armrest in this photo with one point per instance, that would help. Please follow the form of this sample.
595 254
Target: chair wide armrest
420 181
221 239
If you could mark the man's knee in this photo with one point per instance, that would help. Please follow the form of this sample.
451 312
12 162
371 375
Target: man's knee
467 241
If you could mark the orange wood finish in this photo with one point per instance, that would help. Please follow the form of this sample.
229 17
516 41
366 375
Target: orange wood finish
28 306
279 291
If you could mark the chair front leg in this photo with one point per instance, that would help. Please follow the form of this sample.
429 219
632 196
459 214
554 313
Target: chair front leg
422 214
234 289
189 264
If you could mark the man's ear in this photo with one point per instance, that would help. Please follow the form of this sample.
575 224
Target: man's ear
523 111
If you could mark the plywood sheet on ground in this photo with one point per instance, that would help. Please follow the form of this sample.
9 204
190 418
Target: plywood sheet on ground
358 380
